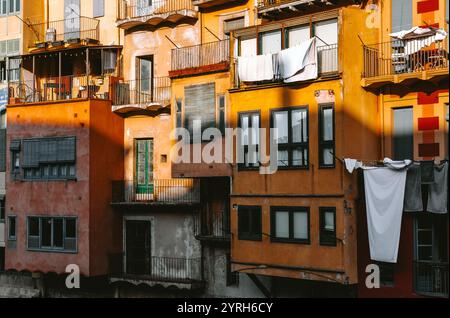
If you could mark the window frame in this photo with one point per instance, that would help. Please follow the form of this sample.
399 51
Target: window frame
52 248
291 146
326 144
12 237
243 166
291 210
242 236
323 240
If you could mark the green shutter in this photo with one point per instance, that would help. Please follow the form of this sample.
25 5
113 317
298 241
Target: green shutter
31 150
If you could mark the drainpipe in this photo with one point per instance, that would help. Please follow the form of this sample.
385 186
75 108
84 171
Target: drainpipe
48 14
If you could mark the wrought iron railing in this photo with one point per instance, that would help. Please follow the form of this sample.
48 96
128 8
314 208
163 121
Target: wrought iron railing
400 57
59 88
65 30
201 55
263 4
169 191
142 92
156 268
129 9
327 59
431 278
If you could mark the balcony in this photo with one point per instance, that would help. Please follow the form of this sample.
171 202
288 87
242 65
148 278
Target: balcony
64 32
431 279
183 273
213 227
133 13
328 67
281 9
141 96
53 89
158 192
397 62
203 58
206 4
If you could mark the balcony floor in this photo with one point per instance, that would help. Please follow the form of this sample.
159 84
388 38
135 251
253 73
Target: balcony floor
154 20
406 78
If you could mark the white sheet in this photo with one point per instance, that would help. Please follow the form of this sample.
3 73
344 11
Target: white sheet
385 190
299 63
255 68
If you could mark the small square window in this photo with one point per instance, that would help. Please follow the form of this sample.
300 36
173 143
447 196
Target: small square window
163 158
12 228
290 224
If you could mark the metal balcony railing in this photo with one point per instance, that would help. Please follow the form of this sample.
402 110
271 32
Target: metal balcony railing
130 9
157 268
170 191
64 30
401 57
263 4
59 88
327 59
431 278
213 225
143 92
201 55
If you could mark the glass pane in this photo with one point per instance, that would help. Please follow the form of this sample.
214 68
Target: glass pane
329 221
145 74
271 42
301 225
255 129
244 127
298 35
425 253
425 237
255 222
283 158
33 226
46 232
328 157
298 157
58 233
71 228
244 218
327 125
281 125
327 32
141 162
282 224
299 126
12 226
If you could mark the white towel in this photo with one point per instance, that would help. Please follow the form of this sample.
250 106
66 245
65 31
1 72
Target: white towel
352 164
385 191
255 68
299 63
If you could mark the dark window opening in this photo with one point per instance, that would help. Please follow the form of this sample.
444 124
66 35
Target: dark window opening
326 136
249 223
327 226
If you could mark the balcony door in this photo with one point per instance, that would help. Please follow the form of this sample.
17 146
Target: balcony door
144 78
138 247
144 169
72 28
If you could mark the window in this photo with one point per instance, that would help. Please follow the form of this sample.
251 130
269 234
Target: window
14 69
326 32
2 209
15 147
387 271
232 277
249 123
327 226
9 7
46 158
200 106
326 136
403 134
3 7
221 104
297 35
270 42
292 136
99 8
290 224
249 223
12 228
109 61
401 11
3 71
3 148
179 114
248 46
52 233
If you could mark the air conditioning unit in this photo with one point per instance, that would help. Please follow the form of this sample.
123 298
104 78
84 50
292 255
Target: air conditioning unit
50 35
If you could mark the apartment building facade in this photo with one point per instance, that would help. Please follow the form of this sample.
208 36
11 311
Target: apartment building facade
412 90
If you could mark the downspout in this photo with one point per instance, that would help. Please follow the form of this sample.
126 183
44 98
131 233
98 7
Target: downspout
47 17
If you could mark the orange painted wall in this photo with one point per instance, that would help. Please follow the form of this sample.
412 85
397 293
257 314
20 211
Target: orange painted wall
87 197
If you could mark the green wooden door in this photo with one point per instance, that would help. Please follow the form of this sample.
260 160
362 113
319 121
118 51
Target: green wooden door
144 167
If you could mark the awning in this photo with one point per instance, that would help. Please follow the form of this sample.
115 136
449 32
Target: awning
417 38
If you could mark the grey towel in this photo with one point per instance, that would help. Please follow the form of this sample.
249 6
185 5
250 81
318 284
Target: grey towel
413 190
438 191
